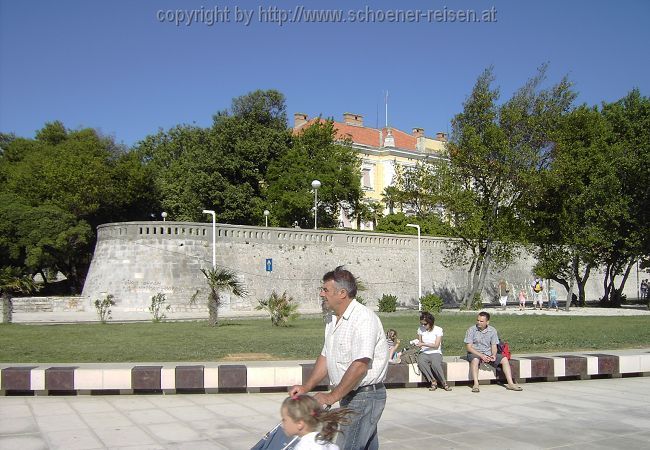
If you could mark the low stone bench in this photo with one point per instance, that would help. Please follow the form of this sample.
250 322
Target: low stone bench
269 376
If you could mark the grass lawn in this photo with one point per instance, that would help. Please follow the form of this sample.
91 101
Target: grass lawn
196 341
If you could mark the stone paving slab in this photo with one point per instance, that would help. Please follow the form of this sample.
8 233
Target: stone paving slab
594 414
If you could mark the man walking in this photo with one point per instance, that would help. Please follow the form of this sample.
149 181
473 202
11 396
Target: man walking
355 357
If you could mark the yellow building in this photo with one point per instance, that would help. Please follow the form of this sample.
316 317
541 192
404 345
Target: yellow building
381 150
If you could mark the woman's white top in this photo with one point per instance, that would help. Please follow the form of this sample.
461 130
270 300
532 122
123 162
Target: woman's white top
429 337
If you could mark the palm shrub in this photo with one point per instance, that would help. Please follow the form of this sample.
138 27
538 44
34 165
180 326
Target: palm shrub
220 280
13 281
388 303
282 308
431 303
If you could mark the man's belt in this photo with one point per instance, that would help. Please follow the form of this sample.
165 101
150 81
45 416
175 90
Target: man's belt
367 388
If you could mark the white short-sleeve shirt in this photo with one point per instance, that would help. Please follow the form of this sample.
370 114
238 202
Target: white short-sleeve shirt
357 334
429 337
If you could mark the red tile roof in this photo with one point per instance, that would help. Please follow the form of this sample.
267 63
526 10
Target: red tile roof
368 136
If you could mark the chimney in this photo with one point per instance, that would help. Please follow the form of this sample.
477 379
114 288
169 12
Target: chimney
418 133
353 119
299 119
441 136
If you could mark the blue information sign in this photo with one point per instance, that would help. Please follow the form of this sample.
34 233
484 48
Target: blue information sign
269 264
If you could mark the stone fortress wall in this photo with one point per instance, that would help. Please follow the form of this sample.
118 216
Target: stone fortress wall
135 260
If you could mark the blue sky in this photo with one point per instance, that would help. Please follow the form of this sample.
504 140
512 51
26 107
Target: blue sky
116 66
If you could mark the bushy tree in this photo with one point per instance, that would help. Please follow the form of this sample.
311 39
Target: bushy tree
577 200
55 189
629 119
223 167
315 154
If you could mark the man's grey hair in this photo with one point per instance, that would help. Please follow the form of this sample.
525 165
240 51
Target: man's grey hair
343 279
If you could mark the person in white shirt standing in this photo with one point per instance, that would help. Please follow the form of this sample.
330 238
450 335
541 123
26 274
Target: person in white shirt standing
355 357
430 356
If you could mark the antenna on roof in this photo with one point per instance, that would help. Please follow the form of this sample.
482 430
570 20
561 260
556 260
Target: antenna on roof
386 102
377 115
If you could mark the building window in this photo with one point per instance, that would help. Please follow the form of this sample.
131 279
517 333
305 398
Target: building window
366 178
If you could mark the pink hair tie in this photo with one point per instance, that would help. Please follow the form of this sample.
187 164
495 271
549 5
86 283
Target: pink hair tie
295 397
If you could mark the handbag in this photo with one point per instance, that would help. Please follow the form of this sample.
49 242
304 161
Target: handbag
410 356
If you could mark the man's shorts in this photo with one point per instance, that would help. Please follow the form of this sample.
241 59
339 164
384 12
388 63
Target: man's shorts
495 363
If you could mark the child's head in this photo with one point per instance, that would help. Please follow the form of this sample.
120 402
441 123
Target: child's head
391 334
299 415
302 414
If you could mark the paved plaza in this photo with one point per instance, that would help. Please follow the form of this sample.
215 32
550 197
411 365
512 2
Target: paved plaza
594 414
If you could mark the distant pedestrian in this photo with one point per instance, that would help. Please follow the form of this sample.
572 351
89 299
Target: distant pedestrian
552 299
538 296
644 289
522 299
504 291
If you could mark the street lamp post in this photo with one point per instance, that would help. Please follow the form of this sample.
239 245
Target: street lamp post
417 227
315 185
266 217
164 216
214 240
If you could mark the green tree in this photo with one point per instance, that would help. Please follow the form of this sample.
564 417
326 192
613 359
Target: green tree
316 154
55 189
578 200
418 188
391 198
629 234
495 152
223 167
221 280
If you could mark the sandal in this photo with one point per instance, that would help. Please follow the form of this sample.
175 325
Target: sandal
433 387
446 387
475 389
514 387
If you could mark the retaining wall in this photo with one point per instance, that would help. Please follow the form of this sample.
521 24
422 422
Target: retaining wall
136 260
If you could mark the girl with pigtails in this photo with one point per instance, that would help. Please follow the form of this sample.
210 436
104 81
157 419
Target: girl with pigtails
303 416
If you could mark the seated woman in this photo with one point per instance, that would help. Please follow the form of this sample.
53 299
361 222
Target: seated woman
430 357
393 344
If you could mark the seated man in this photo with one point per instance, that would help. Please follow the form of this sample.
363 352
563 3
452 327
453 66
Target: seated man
481 342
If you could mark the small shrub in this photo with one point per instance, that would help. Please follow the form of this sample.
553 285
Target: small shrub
431 303
158 306
103 308
360 299
388 303
282 309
